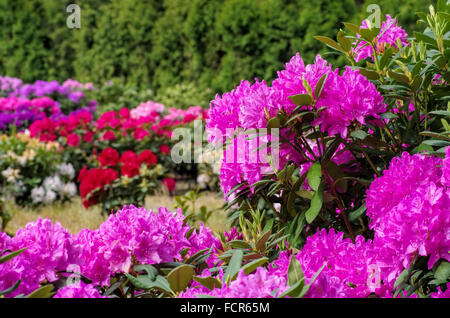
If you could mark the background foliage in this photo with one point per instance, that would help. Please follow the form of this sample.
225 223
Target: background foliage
159 44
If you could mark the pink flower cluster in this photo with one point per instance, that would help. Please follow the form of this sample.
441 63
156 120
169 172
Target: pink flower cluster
346 98
49 250
43 106
350 268
409 211
78 290
147 109
260 284
130 236
389 34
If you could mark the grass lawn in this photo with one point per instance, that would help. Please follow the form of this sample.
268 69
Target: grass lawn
73 216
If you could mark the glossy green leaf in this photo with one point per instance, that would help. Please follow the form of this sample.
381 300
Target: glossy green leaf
234 265
330 42
11 255
239 244
209 282
443 271
316 206
314 176
180 277
253 265
295 272
261 243
301 99
42 292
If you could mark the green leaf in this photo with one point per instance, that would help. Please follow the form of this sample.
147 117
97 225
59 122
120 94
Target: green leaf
295 290
11 255
209 282
314 176
295 272
180 277
423 147
319 86
141 281
240 244
189 233
261 243
441 112
330 42
273 123
352 27
337 174
438 143
305 290
301 99
399 77
343 41
149 269
11 289
360 134
307 86
354 215
316 206
371 75
234 265
250 267
443 271
42 292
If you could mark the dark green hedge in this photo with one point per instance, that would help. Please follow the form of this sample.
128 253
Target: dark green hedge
157 44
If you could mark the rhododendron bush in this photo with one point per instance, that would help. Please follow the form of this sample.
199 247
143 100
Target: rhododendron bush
32 169
337 182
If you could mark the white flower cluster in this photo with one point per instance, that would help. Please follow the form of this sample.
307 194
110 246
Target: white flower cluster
212 157
10 174
203 180
54 187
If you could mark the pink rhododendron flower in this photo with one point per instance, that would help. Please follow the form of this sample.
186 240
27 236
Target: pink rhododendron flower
409 211
78 290
389 34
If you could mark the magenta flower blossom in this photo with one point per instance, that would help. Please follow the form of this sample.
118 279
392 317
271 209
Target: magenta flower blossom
242 161
409 210
79 290
260 284
348 98
348 270
440 293
48 251
390 33
131 232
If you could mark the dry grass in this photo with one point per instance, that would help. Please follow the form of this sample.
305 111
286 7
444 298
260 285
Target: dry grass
73 216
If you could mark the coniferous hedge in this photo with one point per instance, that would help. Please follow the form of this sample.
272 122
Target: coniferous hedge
158 44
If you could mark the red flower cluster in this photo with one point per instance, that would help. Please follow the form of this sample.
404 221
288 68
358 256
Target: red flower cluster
111 163
94 179
169 183
49 130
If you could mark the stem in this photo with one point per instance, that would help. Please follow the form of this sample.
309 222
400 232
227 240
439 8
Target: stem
370 162
340 206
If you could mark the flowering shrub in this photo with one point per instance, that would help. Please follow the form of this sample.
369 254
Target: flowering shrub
32 172
69 95
350 197
121 178
337 130
21 112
